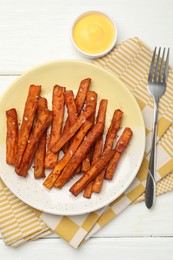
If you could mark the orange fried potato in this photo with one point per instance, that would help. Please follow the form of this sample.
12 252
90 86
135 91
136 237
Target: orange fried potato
91 99
97 149
42 123
12 135
80 154
73 129
120 146
71 107
81 94
98 182
113 129
50 180
27 122
88 190
39 169
56 126
110 137
91 174
79 101
97 152
72 113
101 117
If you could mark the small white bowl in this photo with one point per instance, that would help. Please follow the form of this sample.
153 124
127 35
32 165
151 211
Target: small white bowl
100 54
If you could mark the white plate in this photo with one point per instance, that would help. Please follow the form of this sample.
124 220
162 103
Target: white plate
69 74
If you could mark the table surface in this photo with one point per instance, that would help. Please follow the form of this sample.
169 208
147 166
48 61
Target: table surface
36 31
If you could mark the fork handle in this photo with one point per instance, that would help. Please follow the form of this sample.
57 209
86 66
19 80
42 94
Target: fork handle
151 184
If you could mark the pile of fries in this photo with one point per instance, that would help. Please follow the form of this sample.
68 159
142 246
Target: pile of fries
79 136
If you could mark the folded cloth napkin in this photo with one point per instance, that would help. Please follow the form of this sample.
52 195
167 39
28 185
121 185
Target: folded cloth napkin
163 186
130 62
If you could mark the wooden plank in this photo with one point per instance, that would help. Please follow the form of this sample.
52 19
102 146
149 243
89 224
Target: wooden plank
138 221
34 32
96 248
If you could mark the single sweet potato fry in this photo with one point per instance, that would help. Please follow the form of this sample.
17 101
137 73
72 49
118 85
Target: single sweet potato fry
98 182
39 169
81 94
111 134
72 114
71 107
101 117
91 99
97 152
97 149
56 126
79 101
50 180
113 129
27 122
12 135
42 123
88 191
91 174
66 127
80 154
73 129
120 146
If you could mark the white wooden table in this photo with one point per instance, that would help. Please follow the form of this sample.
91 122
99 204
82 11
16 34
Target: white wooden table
36 31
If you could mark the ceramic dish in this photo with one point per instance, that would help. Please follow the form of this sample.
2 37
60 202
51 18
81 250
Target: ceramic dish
69 74
94 33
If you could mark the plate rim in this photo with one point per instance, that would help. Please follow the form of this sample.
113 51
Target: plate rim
122 190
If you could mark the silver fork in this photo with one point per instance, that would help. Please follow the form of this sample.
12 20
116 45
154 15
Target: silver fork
157 79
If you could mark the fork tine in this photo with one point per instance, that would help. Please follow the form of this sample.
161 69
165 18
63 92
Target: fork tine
166 68
150 75
161 66
157 66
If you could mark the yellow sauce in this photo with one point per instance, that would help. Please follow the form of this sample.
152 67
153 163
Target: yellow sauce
94 33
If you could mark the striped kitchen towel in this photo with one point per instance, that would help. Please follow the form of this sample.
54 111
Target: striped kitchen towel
130 62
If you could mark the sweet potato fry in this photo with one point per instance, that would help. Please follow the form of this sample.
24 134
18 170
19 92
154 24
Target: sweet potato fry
39 169
27 121
56 127
98 182
66 127
72 113
97 150
113 129
71 107
88 191
50 180
120 146
12 135
91 174
42 123
79 101
73 129
91 99
81 94
111 134
80 154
